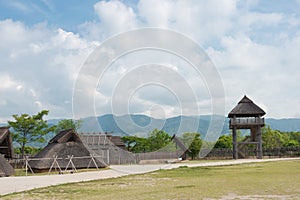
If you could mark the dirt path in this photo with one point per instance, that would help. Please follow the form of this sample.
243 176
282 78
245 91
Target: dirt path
22 183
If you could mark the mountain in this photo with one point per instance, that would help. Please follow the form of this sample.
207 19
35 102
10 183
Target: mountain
141 124
286 125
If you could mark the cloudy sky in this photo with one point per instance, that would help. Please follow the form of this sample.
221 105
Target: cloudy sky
254 45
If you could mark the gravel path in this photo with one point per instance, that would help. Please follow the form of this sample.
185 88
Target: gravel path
22 183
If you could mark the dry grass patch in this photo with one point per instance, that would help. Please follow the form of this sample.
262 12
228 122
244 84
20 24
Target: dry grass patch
22 172
255 181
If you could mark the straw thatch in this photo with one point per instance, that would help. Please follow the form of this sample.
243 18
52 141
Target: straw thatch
246 108
66 143
102 139
5 168
111 148
6 147
117 140
180 144
185 150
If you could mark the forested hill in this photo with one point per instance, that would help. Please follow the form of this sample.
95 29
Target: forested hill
286 125
141 124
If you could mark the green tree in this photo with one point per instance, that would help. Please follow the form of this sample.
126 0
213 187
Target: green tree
271 138
291 143
194 142
225 141
28 150
68 124
158 139
136 144
295 136
28 129
291 139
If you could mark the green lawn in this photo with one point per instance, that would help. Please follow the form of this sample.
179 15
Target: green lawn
271 180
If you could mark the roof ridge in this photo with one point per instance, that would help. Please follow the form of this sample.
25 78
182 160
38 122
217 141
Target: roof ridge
246 108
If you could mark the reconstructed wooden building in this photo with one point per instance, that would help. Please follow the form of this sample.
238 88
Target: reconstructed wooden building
111 148
6 147
184 150
6 151
65 144
247 115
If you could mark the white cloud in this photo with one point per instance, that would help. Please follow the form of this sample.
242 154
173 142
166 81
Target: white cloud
202 20
41 64
256 53
266 72
7 82
115 16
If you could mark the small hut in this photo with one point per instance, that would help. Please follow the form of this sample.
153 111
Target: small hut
102 139
117 140
6 147
5 168
6 152
185 150
62 149
111 148
247 115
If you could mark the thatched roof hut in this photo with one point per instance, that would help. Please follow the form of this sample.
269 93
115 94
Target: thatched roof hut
246 108
185 150
102 139
6 147
117 140
5 168
65 144
247 115
111 148
180 144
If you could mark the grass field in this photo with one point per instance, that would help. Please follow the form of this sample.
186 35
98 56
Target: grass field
271 180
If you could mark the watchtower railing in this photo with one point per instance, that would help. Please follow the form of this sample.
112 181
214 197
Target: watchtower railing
247 121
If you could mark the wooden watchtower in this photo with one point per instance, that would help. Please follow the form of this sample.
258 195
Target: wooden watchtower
247 115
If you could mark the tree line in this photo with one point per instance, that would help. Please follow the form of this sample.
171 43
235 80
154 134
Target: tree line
271 139
28 129
159 139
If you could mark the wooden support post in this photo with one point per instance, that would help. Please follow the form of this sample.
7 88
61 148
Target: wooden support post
26 165
92 160
70 162
259 137
54 164
234 141
107 151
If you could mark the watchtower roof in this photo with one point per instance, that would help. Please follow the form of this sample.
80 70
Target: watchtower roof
246 108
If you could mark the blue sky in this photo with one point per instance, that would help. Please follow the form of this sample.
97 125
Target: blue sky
57 13
254 45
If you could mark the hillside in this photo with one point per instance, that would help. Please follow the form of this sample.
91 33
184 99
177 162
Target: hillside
141 124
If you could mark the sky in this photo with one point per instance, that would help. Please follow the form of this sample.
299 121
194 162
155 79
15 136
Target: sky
44 44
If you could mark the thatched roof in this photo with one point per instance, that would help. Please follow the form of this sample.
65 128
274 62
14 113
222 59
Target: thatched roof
6 147
101 139
65 136
111 148
5 168
180 144
117 140
66 143
246 108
